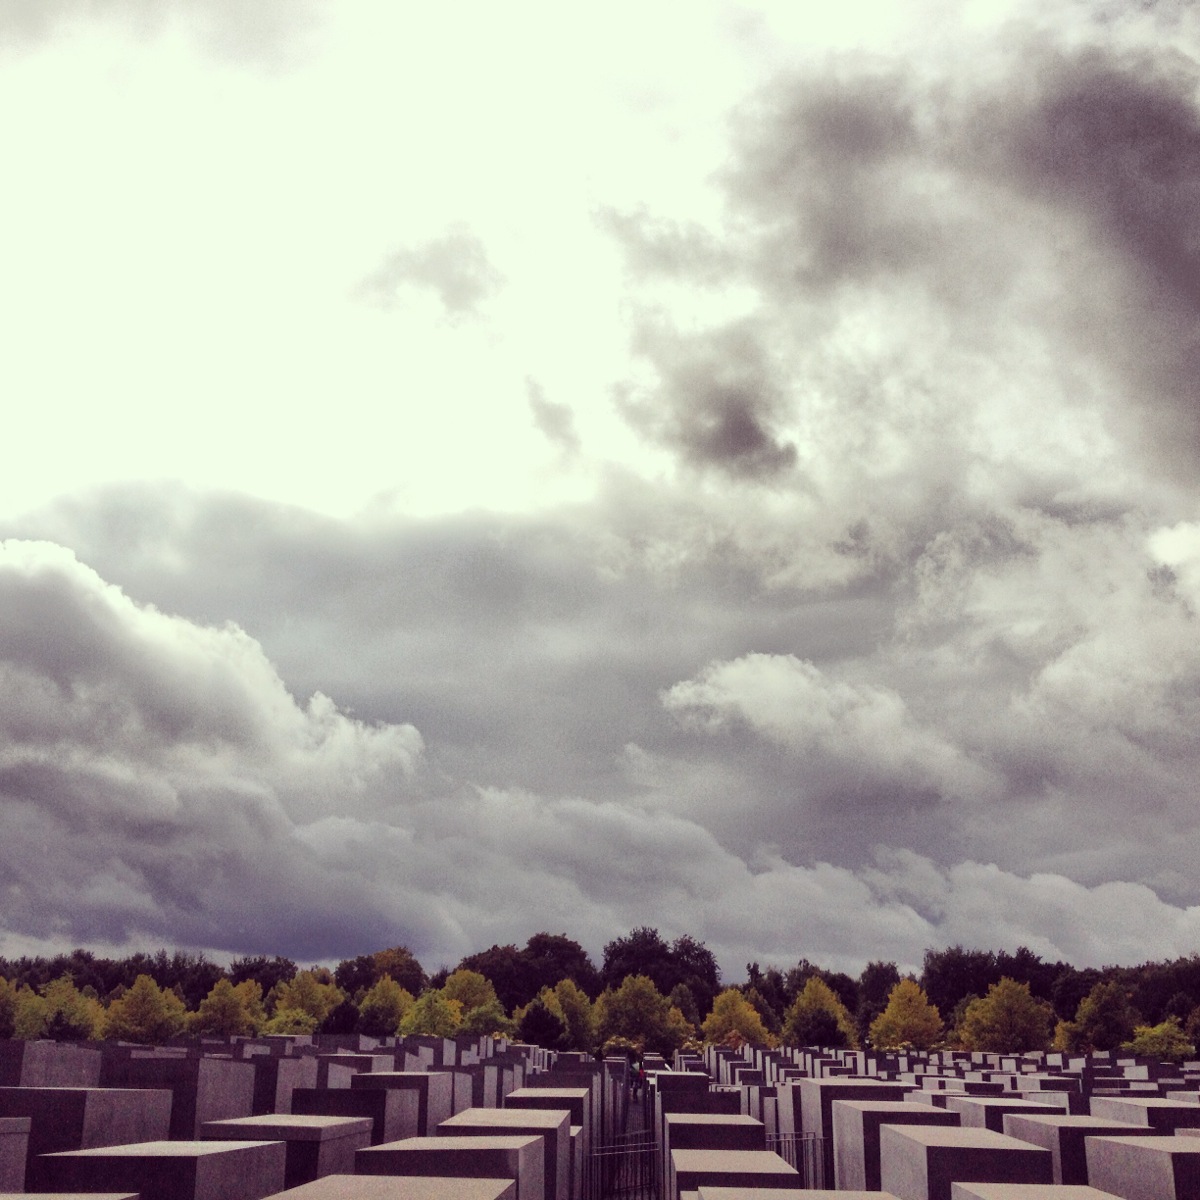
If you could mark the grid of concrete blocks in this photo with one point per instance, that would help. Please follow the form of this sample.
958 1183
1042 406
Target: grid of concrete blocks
422 1118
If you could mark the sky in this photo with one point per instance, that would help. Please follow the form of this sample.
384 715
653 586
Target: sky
473 469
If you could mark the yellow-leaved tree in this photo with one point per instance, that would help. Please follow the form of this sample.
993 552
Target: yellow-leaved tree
909 1020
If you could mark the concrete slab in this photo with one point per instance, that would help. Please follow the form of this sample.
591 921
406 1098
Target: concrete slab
1145 1168
185 1170
1064 1136
856 1125
517 1157
316 1145
920 1162
403 1187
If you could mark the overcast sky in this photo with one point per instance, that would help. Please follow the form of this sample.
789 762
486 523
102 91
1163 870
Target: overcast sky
474 469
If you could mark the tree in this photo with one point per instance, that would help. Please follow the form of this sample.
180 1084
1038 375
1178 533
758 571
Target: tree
401 964
681 997
8 1009
224 1012
509 972
308 994
290 1020
470 989
577 1013
538 1026
71 1015
638 1012
342 1018
1008 1020
487 1018
951 974
383 1007
433 1015
818 1018
733 1013
908 1020
875 986
696 967
266 972
1165 1041
1104 1020
551 957
772 1021
642 952
145 1013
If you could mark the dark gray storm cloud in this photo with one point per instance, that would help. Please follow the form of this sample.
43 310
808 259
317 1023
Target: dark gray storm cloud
719 402
455 267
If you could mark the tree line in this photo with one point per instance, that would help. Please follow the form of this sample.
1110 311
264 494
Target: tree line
647 994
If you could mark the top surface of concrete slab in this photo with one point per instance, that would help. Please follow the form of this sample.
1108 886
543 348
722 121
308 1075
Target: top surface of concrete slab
294 1127
518 1118
490 1141
170 1149
764 1162
1026 1191
722 1119
957 1135
403 1187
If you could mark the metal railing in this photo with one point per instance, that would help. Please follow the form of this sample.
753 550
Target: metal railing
805 1152
626 1167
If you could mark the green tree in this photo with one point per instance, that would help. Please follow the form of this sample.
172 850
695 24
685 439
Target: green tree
145 1013
434 1015
950 975
383 1007
8 1009
290 1020
577 1013
487 1018
874 990
1104 1021
818 1018
640 1013
733 1013
908 1020
540 1026
1165 1041
1008 1020
223 1012
71 1015
469 988
309 993
401 964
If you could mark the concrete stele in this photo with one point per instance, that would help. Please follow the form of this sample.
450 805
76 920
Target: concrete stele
693 1169
1145 1168
316 1145
552 1126
856 1125
1065 1137
404 1187
185 1170
517 1157
920 1162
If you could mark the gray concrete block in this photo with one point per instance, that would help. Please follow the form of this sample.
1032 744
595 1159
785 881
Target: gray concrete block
185 1170
920 1162
517 1157
856 1125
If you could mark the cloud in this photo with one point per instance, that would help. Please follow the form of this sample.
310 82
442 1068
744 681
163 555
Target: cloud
556 421
455 267
864 732
262 32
